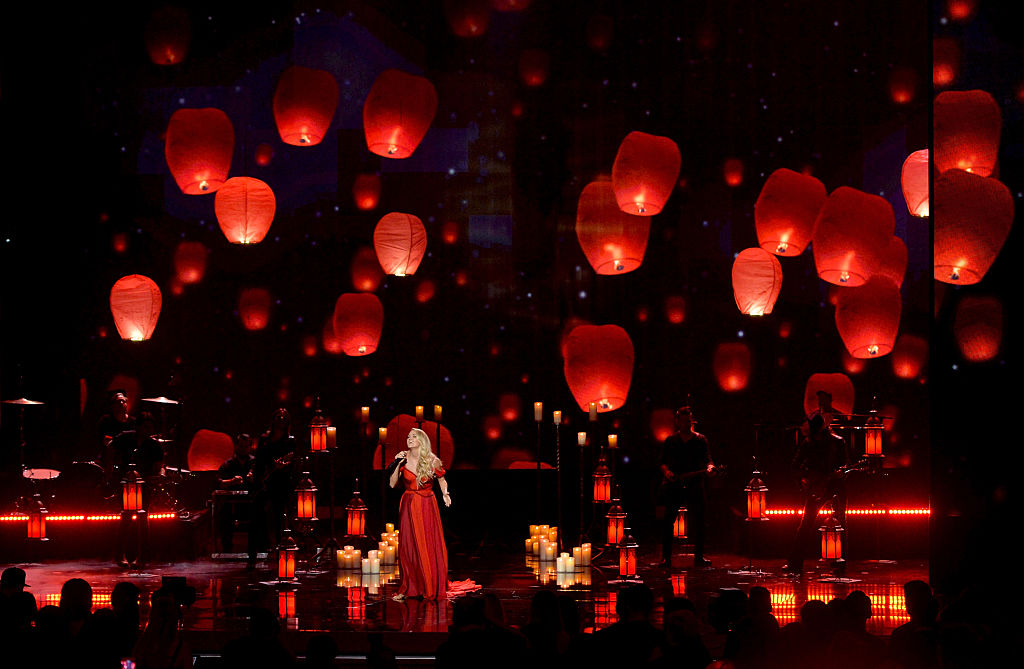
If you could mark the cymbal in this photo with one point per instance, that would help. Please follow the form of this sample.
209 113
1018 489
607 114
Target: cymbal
160 400
22 401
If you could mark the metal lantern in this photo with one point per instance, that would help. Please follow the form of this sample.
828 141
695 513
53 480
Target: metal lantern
756 505
132 491
286 604
873 429
37 520
305 499
318 431
616 521
286 552
627 557
831 539
356 512
602 482
679 526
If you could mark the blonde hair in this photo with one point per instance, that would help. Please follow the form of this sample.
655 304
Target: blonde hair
425 465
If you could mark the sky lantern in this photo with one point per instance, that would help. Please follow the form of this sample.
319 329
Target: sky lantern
945 61
309 346
254 308
491 427
509 406
663 423
903 85
533 67
851 364
915 183
731 364
209 450
366 271
135 302
331 342
366 191
786 211
168 34
978 327
190 262
838 385
600 30
675 309
756 281
264 154
868 317
198 149
397 113
571 323
425 291
961 11
732 172
613 241
973 216
468 18
967 125
852 229
599 366
892 261
358 321
400 241
245 210
450 232
304 104
909 356
645 172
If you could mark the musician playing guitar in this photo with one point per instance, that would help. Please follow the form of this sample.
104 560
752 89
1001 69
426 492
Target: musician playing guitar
685 464
273 480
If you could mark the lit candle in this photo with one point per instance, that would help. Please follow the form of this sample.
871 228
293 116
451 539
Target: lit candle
560 564
534 530
340 558
332 437
374 565
613 441
577 554
373 555
437 413
536 547
381 547
549 551
558 417
419 412
581 438
538 411
389 555
529 545
389 527
543 529
365 414
585 552
593 412
382 434
366 565
570 563
553 534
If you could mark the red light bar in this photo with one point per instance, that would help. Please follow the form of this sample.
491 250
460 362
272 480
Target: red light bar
856 512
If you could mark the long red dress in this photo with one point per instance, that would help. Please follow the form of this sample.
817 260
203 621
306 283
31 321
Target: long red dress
422 554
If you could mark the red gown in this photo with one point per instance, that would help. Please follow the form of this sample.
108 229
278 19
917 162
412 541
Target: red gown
422 554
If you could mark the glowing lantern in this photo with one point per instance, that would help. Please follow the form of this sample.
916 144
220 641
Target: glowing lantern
786 211
756 490
305 499
627 557
468 18
397 113
254 308
675 309
450 232
600 29
286 552
286 604
331 342
131 492
902 85
851 364
135 302
190 262
873 431
915 183
208 450
599 366
645 172
616 518
892 261
366 191
492 428
613 241
509 405
868 317
732 172
961 10
400 241
602 478
245 209
119 242
355 510
366 271
756 281
198 149
909 356
264 154
839 386
978 327
358 321
945 61
533 67
309 346
967 125
425 291
663 423
304 104
973 216
318 432
731 365
679 526
831 539
852 229
37 520
167 36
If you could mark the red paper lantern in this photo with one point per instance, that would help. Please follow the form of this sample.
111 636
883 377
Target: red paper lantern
358 321
868 317
967 125
366 191
731 364
839 386
304 104
599 366
245 210
254 308
135 304
852 229
978 327
945 61
167 36
198 149
756 281
675 309
450 232
397 113
400 241
786 210
425 291
973 216
909 356
961 11
732 172
264 154
331 342
645 172
533 67
190 262
903 85
600 30
892 261
468 18
366 271
509 406
208 450
915 177
613 241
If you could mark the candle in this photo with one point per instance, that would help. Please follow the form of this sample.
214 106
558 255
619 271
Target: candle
374 565
585 552
549 551
419 412
382 434
340 558
332 437
536 547
373 555
389 527
366 565
581 438
529 545
593 412
577 554
570 563
389 555
365 414
560 564
553 534
538 411
613 441
381 547
437 413
558 417
534 530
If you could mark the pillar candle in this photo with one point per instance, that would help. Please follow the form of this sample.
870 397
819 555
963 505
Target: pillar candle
437 413
581 438
534 530
558 417
543 529
560 564
613 441
570 563
364 414
374 565
593 412
529 545
332 437
553 534
419 412
538 411
381 547
536 547
340 558
373 555
366 565
549 551
389 555
389 527
585 552
577 554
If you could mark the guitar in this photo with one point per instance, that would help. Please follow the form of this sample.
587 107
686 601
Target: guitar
819 482
714 471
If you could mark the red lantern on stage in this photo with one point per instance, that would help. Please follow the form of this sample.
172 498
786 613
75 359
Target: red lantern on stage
198 149
358 321
978 327
914 177
613 241
679 526
602 482
839 386
756 281
599 366
967 125
318 431
868 317
397 113
135 302
167 36
190 262
874 428
973 216
467 18
254 308
305 499
645 172
355 510
945 61
627 557
831 539
366 271
757 505
892 261
616 518
131 492
245 209
304 104
786 210
731 364
533 67
286 604
366 191
37 520
400 241
852 229
286 552
909 356
732 172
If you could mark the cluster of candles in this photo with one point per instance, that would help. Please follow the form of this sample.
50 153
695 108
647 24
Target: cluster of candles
386 554
371 582
543 543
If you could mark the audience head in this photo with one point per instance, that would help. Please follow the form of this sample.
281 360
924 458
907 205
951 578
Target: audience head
759 600
321 650
493 609
281 422
12 581
635 602
76 599
921 604
125 597
857 607
570 613
815 616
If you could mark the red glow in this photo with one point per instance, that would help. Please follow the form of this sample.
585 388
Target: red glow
961 10
644 173
119 242
492 428
731 365
366 271
450 232
851 364
309 346
903 85
785 329
910 356
168 34
675 309
366 191
642 314
509 406
978 327
264 154
245 210
397 113
468 18
209 450
732 172
425 291
254 308
198 149
460 278
190 262
600 30
533 67
304 104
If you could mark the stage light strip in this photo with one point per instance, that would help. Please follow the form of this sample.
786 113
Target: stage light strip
855 512
105 517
